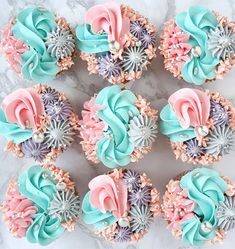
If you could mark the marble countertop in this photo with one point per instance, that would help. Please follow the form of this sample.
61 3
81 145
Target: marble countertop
156 85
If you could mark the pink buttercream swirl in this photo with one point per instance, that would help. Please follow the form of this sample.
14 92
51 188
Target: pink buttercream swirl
12 48
108 17
23 107
191 106
17 211
109 195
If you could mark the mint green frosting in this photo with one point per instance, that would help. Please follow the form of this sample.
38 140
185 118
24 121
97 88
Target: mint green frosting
170 126
93 216
37 185
12 132
197 22
206 188
115 148
32 26
90 42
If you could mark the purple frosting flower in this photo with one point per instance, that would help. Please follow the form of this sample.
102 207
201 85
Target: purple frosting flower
147 39
193 149
218 114
132 179
109 67
50 96
123 234
140 196
136 29
60 110
38 151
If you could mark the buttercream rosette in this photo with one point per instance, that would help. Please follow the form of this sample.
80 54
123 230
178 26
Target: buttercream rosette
198 45
200 125
38 44
38 123
117 42
117 127
121 205
41 204
199 206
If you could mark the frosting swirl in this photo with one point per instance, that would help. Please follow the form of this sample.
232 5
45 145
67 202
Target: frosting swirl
93 216
197 22
32 26
115 148
206 188
108 195
108 17
23 107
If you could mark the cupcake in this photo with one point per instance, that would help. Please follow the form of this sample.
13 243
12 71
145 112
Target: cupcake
117 42
38 123
117 127
121 205
38 45
200 125
41 205
198 45
199 207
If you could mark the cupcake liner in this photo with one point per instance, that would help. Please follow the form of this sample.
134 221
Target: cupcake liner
118 49
199 206
38 123
44 209
117 127
126 214
200 125
198 48
38 45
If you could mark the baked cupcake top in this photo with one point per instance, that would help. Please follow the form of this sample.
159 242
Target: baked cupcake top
117 127
200 206
38 44
198 45
38 123
121 205
41 204
200 125
116 41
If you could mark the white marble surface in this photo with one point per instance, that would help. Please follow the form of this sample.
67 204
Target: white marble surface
156 85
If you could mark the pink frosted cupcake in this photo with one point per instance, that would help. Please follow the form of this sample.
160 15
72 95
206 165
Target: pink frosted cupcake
200 125
199 207
38 45
117 127
43 209
117 42
121 205
198 45
38 123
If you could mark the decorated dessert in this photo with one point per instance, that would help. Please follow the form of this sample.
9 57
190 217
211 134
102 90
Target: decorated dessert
117 42
117 127
198 45
199 207
38 45
41 205
38 123
121 205
200 125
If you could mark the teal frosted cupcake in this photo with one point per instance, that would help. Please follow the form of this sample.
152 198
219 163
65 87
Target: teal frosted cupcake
41 205
199 207
38 45
198 45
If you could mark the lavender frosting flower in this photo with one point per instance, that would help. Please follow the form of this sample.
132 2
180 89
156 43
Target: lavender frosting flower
218 114
147 39
50 96
193 149
123 234
140 196
38 151
60 110
132 179
136 29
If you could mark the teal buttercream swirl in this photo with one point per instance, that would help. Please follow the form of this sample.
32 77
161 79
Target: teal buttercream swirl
93 216
115 148
37 185
170 126
197 22
89 42
206 188
12 132
32 26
